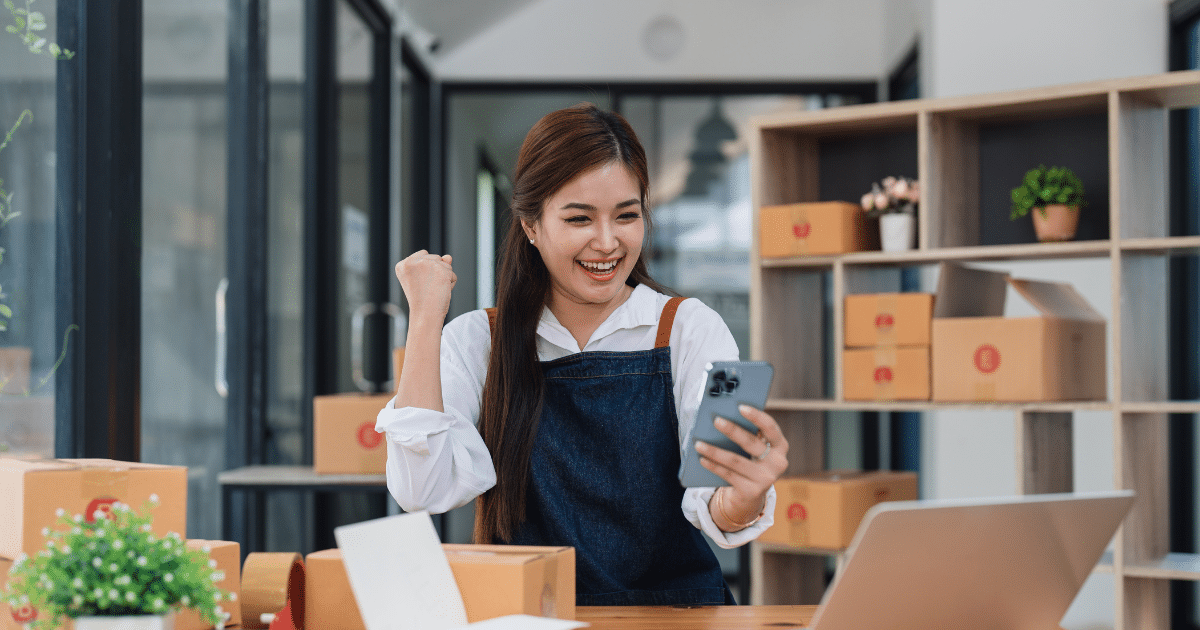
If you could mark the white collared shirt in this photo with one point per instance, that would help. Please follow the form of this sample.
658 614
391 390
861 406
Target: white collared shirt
437 461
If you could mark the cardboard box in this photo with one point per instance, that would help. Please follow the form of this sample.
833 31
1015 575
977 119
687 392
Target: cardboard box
886 373
344 437
229 560
823 510
815 229
329 600
32 490
981 356
497 580
888 319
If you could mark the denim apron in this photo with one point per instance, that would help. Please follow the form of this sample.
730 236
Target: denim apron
604 480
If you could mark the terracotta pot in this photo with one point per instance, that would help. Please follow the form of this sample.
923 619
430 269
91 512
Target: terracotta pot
1055 222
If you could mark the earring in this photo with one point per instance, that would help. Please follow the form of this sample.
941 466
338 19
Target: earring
531 241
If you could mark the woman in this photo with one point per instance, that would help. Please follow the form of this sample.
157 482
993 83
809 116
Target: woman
584 385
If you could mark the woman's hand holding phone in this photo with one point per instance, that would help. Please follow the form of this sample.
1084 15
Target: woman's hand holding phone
751 477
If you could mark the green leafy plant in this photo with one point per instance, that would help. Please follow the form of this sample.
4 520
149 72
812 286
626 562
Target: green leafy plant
28 25
111 563
1043 186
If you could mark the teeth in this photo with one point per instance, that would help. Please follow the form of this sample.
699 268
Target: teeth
599 267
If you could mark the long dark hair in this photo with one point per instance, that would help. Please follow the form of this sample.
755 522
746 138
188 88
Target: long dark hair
560 147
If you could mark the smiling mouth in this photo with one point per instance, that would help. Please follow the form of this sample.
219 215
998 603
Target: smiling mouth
600 269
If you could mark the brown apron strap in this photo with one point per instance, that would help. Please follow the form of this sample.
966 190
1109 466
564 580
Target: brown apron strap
491 313
663 339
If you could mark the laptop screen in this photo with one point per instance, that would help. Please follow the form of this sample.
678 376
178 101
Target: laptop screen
1013 562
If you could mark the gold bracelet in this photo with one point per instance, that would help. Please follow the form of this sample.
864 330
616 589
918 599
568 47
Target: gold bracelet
725 515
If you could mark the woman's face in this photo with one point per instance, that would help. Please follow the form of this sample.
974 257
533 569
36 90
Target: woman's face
590 235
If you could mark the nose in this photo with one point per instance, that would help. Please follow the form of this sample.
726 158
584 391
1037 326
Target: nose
605 239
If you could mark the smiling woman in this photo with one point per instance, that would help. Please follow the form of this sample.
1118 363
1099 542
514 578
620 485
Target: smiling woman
584 383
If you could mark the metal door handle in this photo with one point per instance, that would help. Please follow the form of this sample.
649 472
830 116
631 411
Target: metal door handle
357 340
220 379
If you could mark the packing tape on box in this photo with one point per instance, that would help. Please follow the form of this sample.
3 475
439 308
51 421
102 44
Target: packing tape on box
269 582
885 319
885 373
548 603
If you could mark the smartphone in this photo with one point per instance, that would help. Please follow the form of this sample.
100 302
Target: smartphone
727 385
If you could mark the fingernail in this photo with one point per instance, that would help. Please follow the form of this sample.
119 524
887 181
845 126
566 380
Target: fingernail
702 446
744 409
720 423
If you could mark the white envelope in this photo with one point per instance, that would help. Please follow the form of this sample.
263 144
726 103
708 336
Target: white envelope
402 580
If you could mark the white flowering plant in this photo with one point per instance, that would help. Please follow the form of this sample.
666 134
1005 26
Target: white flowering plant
892 195
112 563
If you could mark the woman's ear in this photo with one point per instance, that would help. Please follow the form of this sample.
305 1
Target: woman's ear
530 230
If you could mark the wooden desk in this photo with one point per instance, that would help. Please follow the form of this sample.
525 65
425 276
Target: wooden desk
697 618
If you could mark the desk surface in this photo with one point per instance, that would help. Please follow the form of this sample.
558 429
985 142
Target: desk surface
698 618
298 476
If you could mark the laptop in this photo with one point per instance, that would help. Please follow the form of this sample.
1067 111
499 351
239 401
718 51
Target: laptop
1000 563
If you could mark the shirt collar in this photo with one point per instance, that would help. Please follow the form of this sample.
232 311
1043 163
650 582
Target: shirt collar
641 309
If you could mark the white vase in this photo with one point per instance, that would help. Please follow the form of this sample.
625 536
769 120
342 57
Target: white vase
126 622
897 232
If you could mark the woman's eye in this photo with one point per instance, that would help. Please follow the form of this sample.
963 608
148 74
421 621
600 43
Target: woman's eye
577 219
630 216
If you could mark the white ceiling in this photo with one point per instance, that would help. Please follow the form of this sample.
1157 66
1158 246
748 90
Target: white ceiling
454 22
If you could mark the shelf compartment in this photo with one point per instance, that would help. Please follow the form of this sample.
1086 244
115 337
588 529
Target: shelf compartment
973 158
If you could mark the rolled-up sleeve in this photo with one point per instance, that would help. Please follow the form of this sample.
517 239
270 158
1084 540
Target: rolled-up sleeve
437 461
695 508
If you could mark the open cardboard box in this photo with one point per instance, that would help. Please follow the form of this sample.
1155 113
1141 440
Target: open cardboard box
981 356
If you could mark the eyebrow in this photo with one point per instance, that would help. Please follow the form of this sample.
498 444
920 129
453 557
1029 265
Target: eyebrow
575 205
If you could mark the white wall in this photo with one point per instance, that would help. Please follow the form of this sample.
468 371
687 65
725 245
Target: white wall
986 46
735 40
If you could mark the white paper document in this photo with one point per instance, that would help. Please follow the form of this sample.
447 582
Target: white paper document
402 580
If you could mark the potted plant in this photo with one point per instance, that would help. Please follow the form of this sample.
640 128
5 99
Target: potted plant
108 570
1054 196
894 201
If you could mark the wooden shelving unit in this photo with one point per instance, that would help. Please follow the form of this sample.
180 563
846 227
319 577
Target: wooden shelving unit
968 152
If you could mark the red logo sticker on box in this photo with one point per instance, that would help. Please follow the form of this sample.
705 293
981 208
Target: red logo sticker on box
24 614
99 504
884 320
802 230
796 512
987 358
367 436
883 374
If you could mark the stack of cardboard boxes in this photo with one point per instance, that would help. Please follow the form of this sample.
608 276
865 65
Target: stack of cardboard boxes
887 346
33 490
